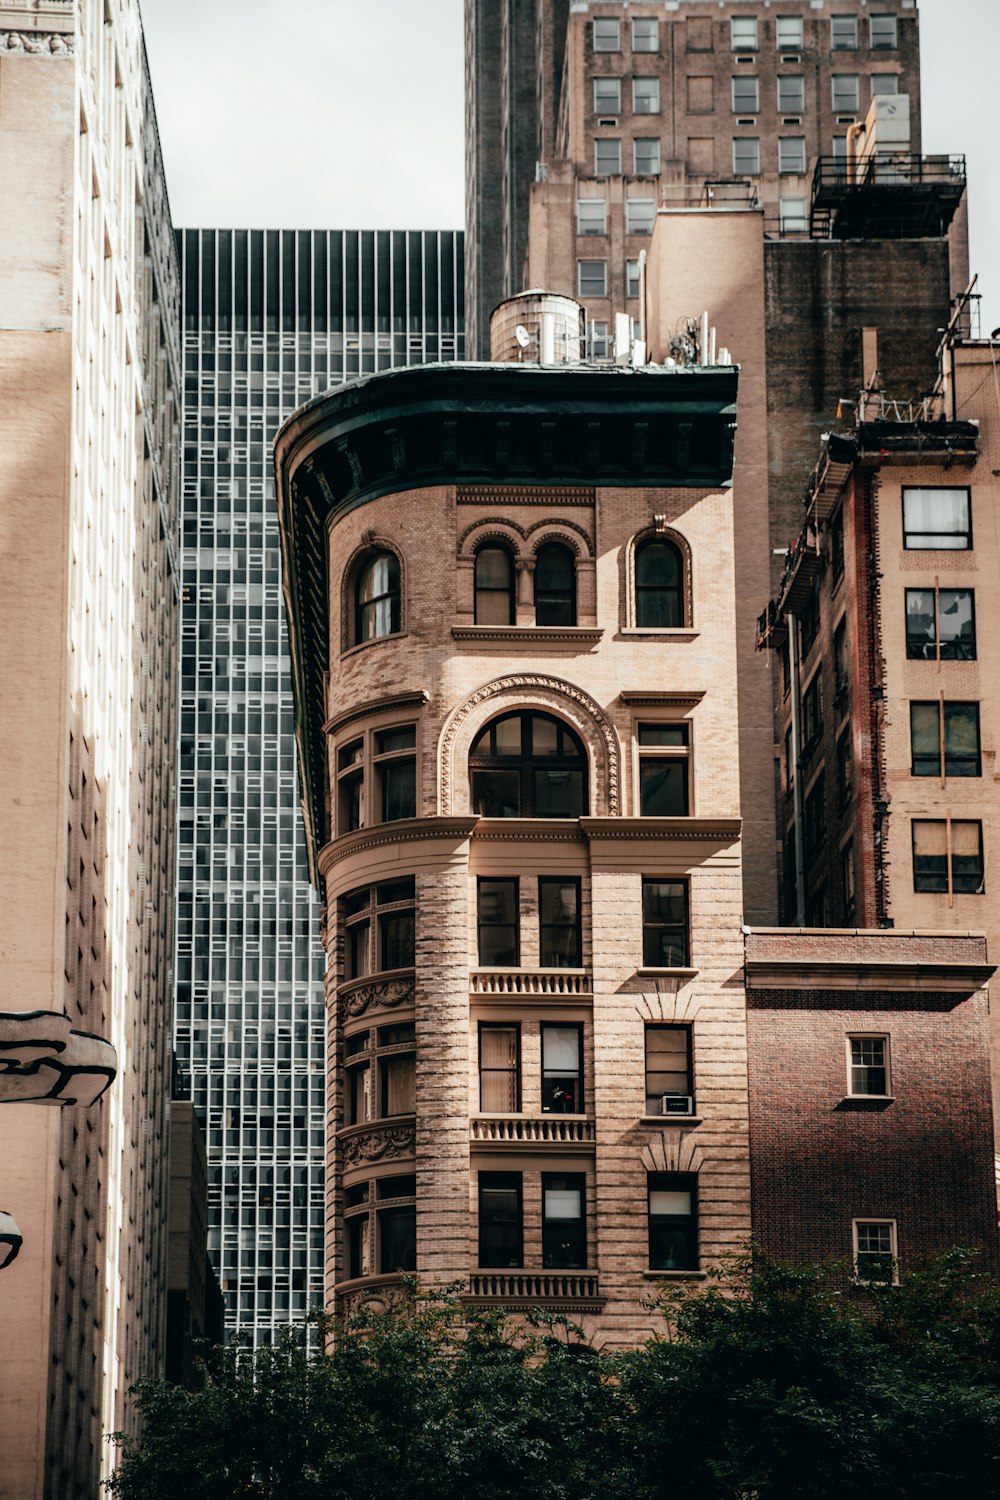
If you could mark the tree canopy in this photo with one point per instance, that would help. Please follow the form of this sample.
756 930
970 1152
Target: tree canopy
775 1383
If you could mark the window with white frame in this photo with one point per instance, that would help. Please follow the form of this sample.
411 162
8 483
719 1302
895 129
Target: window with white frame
591 216
746 95
791 94
792 154
631 278
645 34
788 33
845 93
607 158
746 156
592 278
883 33
792 212
875 1251
640 215
743 34
868 1067
646 157
884 84
607 34
607 96
937 517
645 96
843 33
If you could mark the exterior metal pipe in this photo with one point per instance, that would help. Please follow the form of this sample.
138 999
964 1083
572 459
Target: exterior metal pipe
793 769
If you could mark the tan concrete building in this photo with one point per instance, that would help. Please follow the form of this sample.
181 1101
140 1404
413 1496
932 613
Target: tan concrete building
88 459
513 640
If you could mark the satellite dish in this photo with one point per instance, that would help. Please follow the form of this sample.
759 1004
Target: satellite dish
522 335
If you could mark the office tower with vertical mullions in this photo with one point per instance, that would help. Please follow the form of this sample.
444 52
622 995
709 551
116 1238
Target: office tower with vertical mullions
270 319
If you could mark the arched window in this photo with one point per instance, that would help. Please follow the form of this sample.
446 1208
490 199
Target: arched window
377 599
494 586
659 585
555 586
528 765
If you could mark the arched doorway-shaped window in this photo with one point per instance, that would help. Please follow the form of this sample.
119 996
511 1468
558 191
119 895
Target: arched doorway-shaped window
659 585
494 586
528 765
377 598
555 585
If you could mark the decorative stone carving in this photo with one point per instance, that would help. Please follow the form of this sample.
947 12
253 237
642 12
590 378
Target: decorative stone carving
533 689
44 1061
378 1144
38 43
385 996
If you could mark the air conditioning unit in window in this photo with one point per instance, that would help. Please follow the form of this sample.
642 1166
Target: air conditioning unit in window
676 1104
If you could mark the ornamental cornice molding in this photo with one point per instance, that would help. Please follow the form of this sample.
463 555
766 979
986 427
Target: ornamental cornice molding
403 831
38 43
388 995
530 690
475 494
686 830
553 635
653 699
361 1146
373 706
533 830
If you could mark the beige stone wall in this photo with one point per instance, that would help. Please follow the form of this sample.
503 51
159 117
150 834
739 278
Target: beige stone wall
468 677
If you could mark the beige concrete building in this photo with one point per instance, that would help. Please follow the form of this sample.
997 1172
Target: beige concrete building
513 641
88 460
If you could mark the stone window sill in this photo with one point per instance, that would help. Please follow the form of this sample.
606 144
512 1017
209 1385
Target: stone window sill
670 1119
667 973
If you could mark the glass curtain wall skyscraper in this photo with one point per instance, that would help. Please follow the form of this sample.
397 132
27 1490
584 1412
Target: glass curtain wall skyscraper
270 318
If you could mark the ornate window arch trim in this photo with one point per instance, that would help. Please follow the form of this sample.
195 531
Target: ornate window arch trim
566 532
491 529
659 533
530 690
370 544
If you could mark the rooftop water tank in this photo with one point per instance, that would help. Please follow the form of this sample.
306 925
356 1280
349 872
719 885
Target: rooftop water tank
538 328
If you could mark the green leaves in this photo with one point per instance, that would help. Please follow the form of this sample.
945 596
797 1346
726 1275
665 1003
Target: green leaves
774 1384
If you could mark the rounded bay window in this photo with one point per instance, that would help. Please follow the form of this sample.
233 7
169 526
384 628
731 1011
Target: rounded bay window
528 765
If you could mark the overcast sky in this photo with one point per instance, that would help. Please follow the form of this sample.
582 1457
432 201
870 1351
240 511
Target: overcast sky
349 113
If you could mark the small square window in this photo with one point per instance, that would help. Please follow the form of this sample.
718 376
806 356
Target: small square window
883 33
640 215
607 96
746 156
868 1067
645 96
607 35
645 34
791 94
788 33
846 93
591 216
843 33
743 34
646 157
664 924
884 83
592 278
792 214
792 154
746 96
937 518
607 158
875 1255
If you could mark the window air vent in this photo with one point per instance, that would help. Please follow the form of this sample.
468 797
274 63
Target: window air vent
750 59
790 57
846 119
746 120
608 120
676 1104
792 120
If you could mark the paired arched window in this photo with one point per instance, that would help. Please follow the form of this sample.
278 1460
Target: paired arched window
494 586
528 765
555 585
659 585
377 598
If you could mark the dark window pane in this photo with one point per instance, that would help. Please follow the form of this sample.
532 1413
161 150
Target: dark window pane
673 1225
555 587
378 602
494 587
869 1071
658 590
559 915
399 790
664 923
404 738
663 789
500 1237
564 1226
398 1085
498 923
558 794
397 940
496 794
397 1228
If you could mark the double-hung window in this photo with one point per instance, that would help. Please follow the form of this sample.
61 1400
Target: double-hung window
937 517
875 1255
792 154
940 624
883 33
673 1221
791 94
948 856
746 95
607 35
501 1223
645 34
592 278
846 93
591 216
646 157
607 96
843 33
559 922
792 215
746 156
788 33
868 1067
668 1070
884 83
645 96
395 769
562 1069
350 786
944 739
664 756
664 924
564 1221
640 215
499 1067
499 925
743 33
607 157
